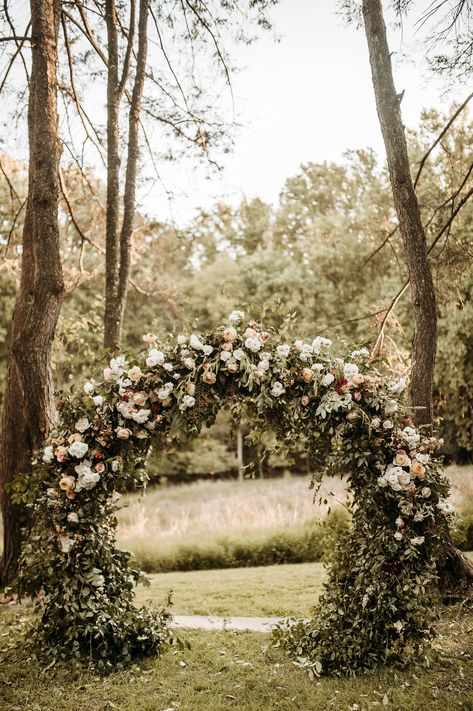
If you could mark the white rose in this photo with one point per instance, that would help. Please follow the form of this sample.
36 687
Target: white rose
48 454
187 401
98 400
284 350
89 387
404 479
155 357
398 536
189 363
253 344
298 345
181 339
141 416
418 540
78 449
425 492
328 379
423 458
375 423
320 342
391 407
397 387
238 354
382 482
72 517
225 355
82 424
123 433
411 436
445 507
207 350
277 389
388 424
263 365
317 367
135 373
399 522
87 478
116 464
109 375
168 367
236 316
349 370
196 343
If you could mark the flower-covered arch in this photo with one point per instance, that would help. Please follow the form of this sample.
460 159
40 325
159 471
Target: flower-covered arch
377 603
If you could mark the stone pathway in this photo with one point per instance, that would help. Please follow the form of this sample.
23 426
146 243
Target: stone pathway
211 622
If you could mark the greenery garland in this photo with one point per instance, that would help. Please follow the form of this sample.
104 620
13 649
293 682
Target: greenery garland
377 605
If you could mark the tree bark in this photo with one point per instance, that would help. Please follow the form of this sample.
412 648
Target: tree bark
455 572
118 241
29 409
129 198
112 245
424 344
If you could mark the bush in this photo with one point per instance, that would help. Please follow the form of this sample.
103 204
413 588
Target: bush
310 542
462 530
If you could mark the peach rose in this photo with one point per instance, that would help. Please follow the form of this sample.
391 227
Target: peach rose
227 346
76 437
230 334
232 366
100 467
358 379
418 470
401 459
307 375
305 400
209 377
71 494
190 390
264 336
61 453
66 483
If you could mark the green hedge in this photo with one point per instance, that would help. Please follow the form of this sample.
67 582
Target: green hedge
310 542
462 532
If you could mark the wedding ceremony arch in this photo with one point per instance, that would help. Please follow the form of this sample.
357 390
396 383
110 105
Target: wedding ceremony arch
377 605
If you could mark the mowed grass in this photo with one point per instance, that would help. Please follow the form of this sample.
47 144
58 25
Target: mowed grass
236 671
273 591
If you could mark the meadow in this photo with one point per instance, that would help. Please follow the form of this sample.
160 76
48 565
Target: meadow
228 524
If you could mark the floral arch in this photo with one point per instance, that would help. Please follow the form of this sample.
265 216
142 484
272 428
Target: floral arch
377 604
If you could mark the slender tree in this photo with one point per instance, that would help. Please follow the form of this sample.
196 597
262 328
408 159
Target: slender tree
424 344
28 408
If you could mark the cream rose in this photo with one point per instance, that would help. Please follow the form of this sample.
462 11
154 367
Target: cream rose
66 483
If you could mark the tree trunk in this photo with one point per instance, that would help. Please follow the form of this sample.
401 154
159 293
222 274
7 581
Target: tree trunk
112 253
129 200
424 345
28 409
455 572
240 462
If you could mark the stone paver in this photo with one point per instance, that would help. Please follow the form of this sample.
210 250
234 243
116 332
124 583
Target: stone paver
212 622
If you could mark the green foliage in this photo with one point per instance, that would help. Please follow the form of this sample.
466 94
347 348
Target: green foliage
378 602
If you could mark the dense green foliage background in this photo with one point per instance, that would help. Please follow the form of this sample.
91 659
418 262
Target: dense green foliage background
307 255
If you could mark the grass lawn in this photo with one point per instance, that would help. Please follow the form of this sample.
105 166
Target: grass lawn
234 671
277 590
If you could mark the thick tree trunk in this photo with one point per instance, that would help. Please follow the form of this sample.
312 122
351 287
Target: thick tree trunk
424 345
112 245
456 572
28 409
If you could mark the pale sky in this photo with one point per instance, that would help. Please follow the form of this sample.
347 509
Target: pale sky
307 98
